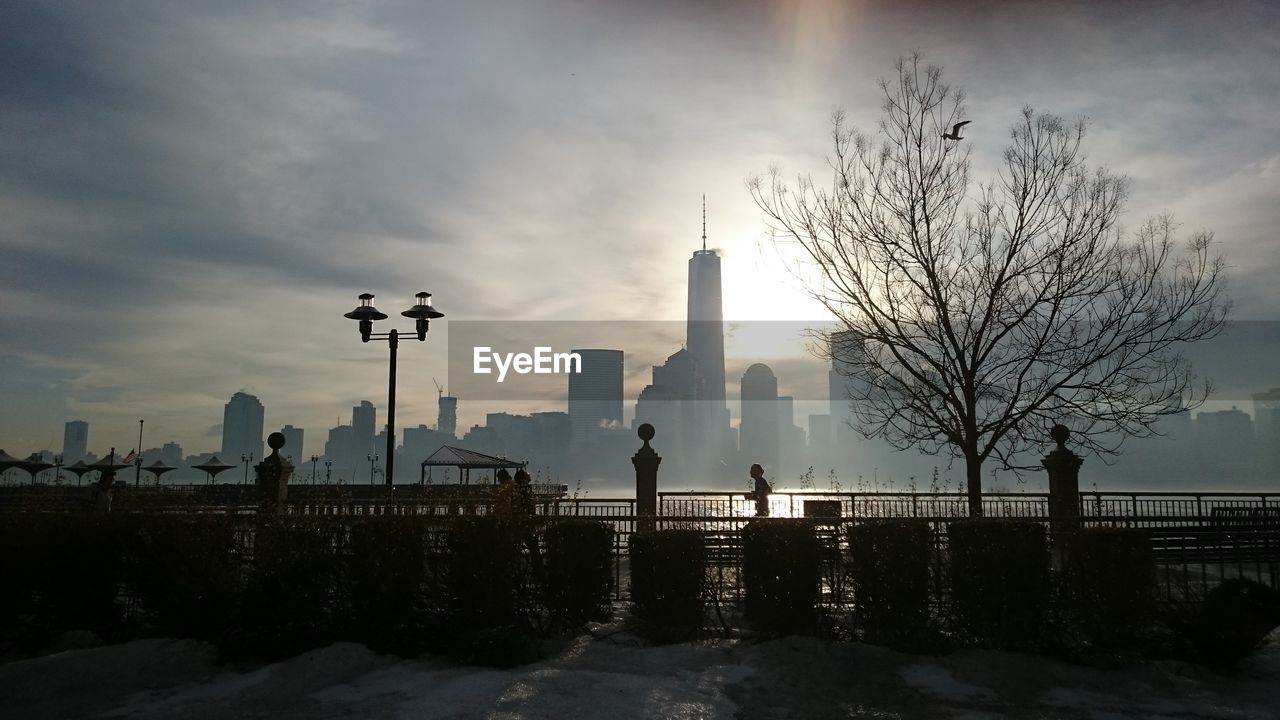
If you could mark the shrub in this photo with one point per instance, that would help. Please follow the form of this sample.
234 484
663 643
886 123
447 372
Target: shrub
1000 585
781 568
1109 584
667 580
388 584
187 574
484 578
889 569
1237 615
579 573
63 572
290 599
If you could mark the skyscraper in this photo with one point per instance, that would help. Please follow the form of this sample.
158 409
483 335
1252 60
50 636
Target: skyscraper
293 437
843 381
704 331
759 433
669 403
242 427
364 425
75 441
595 394
1264 404
447 419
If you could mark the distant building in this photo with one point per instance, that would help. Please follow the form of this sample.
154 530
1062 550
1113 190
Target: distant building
791 444
820 435
419 443
1224 439
670 403
595 394
843 382
1264 406
293 449
75 441
704 335
758 433
447 419
337 449
364 425
242 427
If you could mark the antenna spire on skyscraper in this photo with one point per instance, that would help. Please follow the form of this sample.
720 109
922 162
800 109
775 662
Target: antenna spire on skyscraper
704 222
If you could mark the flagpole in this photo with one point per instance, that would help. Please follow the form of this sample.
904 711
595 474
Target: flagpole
137 460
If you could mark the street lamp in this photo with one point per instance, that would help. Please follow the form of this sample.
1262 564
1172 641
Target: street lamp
314 459
372 458
57 469
365 313
246 459
328 470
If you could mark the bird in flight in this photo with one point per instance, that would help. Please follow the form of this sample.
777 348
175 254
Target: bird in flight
955 131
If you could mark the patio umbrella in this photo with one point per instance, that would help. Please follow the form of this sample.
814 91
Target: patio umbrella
79 468
159 468
108 464
7 461
34 466
213 466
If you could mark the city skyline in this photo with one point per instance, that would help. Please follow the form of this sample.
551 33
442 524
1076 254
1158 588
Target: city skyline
195 195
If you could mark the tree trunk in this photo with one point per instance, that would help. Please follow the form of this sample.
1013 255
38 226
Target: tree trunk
973 471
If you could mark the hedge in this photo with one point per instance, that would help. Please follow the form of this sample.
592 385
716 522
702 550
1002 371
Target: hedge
186 573
391 592
889 567
781 570
579 571
1108 584
1000 581
291 600
668 579
62 572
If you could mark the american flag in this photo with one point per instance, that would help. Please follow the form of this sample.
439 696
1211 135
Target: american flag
128 459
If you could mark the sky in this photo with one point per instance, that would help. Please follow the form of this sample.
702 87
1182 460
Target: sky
192 194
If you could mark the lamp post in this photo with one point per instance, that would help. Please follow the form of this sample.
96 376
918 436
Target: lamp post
365 313
372 458
137 461
57 469
314 459
246 459
328 470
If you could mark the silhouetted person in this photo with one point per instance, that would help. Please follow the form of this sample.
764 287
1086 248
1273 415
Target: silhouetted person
762 490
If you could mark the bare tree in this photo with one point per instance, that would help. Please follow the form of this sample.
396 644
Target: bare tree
975 318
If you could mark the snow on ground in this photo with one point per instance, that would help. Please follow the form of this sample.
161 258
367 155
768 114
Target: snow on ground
617 677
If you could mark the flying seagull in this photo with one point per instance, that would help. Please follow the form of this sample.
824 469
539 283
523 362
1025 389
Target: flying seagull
955 131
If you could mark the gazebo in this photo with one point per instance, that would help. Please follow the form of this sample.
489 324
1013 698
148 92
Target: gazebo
466 461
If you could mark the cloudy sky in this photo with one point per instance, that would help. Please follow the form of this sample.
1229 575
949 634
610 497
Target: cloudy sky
192 193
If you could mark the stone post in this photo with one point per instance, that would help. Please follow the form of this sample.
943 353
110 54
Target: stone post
1064 482
646 462
272 477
